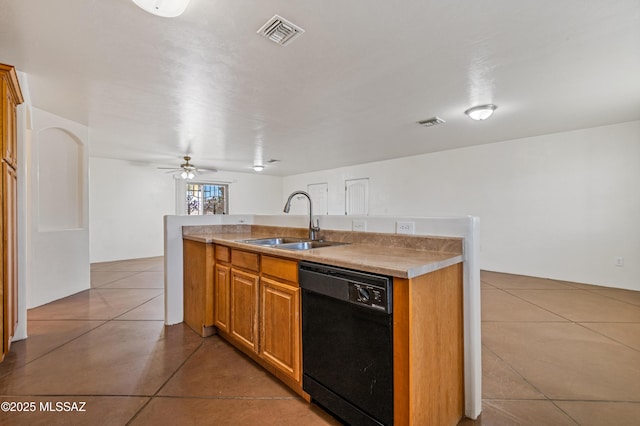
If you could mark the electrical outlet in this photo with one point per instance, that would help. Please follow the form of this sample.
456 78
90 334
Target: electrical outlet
619 261
359 225
405 227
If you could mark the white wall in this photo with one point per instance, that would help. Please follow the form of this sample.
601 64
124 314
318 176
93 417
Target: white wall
57 208
560 206
24 136
129 200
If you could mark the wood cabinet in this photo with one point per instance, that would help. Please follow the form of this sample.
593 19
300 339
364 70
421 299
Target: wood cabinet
256 305
11 97
280 335
221 294
428 358
198 264
222 287
243 298
257 309
243 321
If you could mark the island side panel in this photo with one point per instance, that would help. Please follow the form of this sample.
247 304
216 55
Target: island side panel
428 348
198 287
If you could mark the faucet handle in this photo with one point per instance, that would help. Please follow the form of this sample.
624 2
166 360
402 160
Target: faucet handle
317 226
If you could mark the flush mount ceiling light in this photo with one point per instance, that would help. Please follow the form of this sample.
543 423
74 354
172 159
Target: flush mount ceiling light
481 112
164 8
258 167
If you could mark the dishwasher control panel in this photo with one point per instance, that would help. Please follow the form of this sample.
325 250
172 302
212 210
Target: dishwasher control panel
369 295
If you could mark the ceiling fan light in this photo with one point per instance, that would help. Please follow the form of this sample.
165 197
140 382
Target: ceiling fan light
183 175
481 112
164 8
190 175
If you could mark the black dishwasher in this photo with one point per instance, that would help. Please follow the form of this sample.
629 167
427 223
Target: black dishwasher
347 342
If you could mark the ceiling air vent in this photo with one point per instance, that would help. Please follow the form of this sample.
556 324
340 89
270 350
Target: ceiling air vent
430 122
279 30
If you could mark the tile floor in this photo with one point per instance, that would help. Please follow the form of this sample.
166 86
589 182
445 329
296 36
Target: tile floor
554 353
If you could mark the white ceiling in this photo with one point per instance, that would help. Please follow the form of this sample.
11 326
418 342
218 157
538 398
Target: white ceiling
348 91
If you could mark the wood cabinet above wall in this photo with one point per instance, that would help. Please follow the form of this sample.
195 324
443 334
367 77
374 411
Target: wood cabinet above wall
11 98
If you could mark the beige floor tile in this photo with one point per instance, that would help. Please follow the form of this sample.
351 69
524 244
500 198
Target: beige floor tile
219 370
530 352
136 265
44 336
95 304
232 412
100 278
506 281
97 411
486 286
602 413
118 358
520 413
500 381
151 310
581 305
628 296
567 361
581 286
626 333
148 279
498 305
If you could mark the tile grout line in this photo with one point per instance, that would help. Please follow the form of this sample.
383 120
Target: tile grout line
582 324
65 343
577 322
112 281
516 372
546 398
537 306
105 321
137 413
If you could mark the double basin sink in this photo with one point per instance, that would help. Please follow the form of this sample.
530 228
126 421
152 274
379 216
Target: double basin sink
291 243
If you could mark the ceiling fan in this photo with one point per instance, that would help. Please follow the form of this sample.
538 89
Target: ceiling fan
187 170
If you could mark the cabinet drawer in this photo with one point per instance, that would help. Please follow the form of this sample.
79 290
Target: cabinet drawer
284 269
223 254
245 259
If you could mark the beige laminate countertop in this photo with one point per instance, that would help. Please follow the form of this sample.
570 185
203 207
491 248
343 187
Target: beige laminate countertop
395 261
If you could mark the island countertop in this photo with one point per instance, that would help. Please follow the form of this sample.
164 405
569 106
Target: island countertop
401 256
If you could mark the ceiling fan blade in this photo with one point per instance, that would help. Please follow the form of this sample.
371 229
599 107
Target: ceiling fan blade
169 168
207 170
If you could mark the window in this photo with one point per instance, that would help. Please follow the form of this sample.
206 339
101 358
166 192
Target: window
207 198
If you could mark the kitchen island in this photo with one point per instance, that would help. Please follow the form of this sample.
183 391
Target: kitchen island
428 286
464 228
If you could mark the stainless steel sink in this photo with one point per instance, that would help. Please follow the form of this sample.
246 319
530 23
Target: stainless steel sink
291 243
274 241
307 245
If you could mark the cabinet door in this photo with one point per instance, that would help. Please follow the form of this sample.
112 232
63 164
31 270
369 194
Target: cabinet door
9 140
9 259
221 289
243 320
280 326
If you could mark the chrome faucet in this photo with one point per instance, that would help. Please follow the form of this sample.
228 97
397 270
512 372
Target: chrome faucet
312 229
